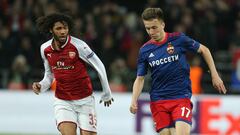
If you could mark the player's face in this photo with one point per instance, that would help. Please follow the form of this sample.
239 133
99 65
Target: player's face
60 32
155 28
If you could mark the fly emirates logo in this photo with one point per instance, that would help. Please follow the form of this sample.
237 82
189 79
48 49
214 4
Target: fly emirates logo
164 60
61 65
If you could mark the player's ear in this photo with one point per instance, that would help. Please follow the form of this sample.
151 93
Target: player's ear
51 31
163 24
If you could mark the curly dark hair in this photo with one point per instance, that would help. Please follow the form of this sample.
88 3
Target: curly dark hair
45 23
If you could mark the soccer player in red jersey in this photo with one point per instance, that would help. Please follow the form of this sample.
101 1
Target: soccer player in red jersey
170 94
65 58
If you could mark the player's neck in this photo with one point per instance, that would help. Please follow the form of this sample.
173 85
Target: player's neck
56 45
161 38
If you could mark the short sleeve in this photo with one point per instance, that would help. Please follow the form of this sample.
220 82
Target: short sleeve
189 44
141 65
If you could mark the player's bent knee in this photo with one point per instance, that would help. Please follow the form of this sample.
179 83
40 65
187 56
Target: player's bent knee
183 128
68 128
165 131
84 132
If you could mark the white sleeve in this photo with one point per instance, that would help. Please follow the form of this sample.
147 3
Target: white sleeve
92 59
48 77
97 64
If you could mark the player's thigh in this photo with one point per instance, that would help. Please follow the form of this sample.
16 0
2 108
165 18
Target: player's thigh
172 131
162 119
182 128
165 131
68 128
182 116
182 111
64 113
87 117
83 132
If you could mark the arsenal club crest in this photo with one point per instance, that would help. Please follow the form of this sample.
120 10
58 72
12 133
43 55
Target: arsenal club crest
170 48
72 54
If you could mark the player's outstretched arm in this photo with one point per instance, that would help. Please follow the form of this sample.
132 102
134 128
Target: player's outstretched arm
99 67
216 80
137 89
86 54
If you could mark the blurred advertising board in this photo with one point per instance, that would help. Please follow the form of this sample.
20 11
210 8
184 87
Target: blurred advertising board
212 115
25 112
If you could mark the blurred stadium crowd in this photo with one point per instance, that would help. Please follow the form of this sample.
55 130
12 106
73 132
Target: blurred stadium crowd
114 30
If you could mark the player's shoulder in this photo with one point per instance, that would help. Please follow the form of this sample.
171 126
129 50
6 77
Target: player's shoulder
148 45
179 36
175 35
46 44
149 42
77 42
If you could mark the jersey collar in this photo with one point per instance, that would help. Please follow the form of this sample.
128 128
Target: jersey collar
160 42
67 41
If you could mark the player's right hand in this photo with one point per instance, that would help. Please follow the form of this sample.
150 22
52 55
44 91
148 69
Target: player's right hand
218 84
133 108
36 87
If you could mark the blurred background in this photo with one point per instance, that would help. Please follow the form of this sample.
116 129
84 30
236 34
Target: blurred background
114 31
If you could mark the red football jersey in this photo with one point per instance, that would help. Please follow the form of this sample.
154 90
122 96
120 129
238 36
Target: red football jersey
68 68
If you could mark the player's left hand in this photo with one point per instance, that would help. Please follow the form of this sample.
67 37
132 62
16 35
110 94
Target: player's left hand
218 84
107 102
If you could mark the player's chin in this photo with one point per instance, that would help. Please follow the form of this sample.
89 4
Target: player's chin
62 40
154 38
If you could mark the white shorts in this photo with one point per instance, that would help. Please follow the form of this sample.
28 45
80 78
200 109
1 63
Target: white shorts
81 112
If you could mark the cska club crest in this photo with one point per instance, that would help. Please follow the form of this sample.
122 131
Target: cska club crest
170 48
72 54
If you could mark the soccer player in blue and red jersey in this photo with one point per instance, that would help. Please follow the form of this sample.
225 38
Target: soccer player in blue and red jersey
170 94
65 58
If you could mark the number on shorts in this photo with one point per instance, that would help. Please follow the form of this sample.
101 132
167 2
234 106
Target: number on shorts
92 120
185 109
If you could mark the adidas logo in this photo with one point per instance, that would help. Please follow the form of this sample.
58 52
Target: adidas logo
151 55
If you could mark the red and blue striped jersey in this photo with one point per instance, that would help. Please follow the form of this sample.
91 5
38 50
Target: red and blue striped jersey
168 65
